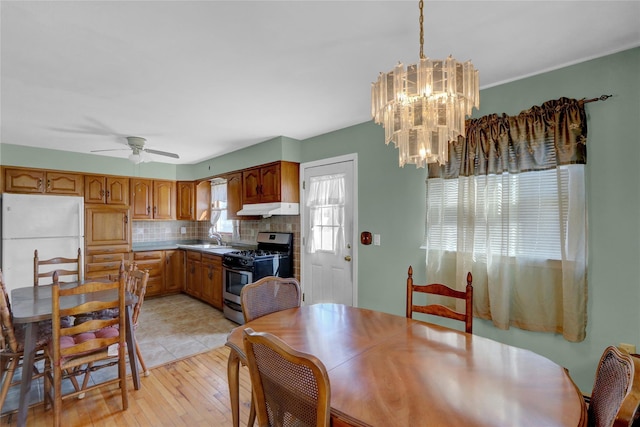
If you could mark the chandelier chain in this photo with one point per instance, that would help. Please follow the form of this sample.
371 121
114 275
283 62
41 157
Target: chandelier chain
421 5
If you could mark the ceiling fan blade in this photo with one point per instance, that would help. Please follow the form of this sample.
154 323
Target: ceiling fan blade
112 149
161 153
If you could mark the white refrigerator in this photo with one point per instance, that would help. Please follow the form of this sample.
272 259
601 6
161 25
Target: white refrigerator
54 225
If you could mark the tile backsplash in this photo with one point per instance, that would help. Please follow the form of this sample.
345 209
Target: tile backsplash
247 232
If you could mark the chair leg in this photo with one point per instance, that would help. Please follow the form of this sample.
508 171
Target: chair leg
145 371
252 413
8 378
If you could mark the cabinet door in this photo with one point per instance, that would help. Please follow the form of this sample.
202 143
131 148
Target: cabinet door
117 190
186 202
234 195
164 200
105 225
251 186
173 270
212 280
94 189
65 183
193 278
24 181
141 198
270 183
203 201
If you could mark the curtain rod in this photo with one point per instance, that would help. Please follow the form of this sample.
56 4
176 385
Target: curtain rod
601 98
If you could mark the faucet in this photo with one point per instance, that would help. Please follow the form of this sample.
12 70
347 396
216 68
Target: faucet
215 235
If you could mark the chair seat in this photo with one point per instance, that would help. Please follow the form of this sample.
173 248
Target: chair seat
44 335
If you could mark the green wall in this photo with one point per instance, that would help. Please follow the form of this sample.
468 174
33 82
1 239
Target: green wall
392 200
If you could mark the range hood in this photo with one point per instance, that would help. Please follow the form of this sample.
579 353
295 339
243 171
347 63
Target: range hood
269 209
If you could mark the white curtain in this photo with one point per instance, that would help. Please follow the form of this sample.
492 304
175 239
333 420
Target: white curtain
511 209
326 200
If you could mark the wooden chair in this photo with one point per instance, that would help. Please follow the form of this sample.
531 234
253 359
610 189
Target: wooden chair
12 345
439 309
64 266
615 398
137 285
290 388
87 346
265 296
268 295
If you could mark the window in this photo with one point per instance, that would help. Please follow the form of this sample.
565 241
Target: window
514 215
219 221
326 202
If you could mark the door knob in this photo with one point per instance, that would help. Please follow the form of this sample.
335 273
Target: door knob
347 258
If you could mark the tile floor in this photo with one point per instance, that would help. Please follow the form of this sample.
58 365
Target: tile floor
169 328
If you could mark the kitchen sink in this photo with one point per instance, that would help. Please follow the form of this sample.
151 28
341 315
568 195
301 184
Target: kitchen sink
204 246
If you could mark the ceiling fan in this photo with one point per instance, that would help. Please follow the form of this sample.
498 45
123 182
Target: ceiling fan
136 144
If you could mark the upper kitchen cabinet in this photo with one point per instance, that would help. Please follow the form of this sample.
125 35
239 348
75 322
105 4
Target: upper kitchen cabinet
186 200
153 199
111 190
234 195
272 182
194 200
18 180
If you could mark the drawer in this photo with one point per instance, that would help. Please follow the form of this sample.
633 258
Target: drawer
101 268
194 255
154 255
155 267
213 259
154 286
107 249
112 257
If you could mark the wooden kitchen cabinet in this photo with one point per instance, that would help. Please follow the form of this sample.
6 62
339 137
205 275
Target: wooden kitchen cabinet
194 200
154 262
234 195
174 267
107 239
102 261
153 199
186 193
212 280
107 225
272 182
193 273
110 190
40 181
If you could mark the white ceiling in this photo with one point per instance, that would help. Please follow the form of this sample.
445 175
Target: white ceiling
204 78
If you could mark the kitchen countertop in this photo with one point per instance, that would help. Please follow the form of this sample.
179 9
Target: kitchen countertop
185 244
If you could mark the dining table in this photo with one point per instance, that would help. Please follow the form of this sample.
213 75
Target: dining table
389 370
33 304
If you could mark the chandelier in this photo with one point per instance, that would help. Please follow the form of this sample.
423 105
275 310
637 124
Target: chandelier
425 106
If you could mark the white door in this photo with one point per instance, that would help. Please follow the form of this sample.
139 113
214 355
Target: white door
328 252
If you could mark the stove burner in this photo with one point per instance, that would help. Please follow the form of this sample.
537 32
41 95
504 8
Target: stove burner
256 253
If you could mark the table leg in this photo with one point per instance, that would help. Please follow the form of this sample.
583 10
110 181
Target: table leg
31 334
233 376
131 349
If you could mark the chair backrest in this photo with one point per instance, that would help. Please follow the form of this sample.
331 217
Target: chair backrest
268 295
439 309
291 388
96 334
615 397
136 284
66 267
8 339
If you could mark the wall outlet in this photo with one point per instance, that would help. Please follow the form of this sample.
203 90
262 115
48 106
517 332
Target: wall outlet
627 348
183 230
376 240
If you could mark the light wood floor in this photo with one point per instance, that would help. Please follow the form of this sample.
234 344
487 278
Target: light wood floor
189 392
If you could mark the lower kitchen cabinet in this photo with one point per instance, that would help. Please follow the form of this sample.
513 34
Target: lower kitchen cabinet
102 261
204 277
193 280
154 262
173 271
212 280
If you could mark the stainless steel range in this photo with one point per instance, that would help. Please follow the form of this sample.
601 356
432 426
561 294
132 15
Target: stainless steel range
273 256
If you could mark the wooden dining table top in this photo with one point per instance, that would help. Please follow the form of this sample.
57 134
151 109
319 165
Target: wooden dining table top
388 370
